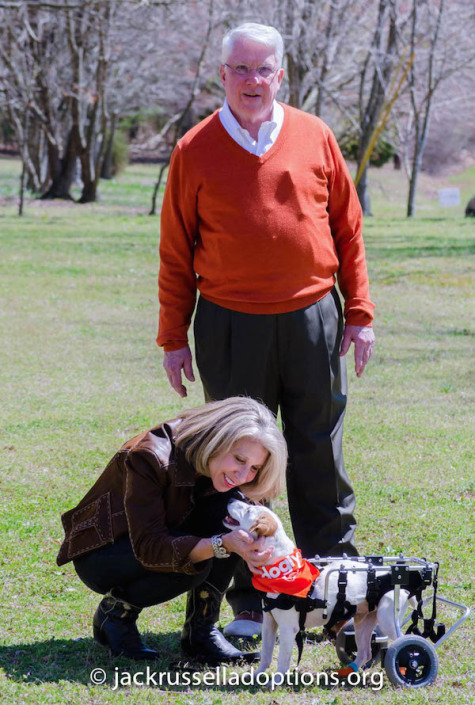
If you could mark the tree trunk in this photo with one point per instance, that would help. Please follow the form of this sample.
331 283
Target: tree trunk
88 175
422 114
60 188
34 150
62 170
412 194
156 189
416 167
89 192
363 192
295 79
370 110
107 171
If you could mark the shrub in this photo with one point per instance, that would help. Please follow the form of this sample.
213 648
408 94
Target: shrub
382 152
120 152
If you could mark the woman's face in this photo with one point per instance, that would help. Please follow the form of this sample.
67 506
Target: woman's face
238 466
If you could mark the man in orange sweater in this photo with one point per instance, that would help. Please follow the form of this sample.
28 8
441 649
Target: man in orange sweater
260 216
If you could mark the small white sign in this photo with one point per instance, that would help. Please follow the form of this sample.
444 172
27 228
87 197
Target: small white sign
449 196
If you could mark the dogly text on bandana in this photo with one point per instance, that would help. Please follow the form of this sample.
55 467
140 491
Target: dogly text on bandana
292 575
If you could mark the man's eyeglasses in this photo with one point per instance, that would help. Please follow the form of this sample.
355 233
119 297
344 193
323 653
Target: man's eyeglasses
264 72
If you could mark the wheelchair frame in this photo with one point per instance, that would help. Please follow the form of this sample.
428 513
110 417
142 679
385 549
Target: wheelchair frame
411 659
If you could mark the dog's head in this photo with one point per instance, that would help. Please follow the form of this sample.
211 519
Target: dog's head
259 521
256 520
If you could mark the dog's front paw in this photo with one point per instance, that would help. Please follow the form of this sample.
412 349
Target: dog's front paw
268 680
278 679
260 677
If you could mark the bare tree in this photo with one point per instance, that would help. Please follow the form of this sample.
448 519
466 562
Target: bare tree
441 39
17 86
177 122
321 38
54 72
90 121
375 75
61 65
297 19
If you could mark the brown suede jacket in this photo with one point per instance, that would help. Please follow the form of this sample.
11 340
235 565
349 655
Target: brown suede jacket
145 491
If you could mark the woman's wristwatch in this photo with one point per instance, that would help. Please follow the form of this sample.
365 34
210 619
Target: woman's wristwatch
218 547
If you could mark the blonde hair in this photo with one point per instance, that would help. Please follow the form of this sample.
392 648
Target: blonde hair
261 33
212 429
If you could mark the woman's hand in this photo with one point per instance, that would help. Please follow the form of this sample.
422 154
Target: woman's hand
251 550
236 541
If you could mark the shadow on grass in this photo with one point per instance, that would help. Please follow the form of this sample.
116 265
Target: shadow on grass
84 662
73 660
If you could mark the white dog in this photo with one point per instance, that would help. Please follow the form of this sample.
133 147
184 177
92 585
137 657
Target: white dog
287 564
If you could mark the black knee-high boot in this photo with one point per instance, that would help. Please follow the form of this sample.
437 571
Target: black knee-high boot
114 625
200 638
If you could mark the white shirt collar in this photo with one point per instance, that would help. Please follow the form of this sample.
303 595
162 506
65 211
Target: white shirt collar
268 131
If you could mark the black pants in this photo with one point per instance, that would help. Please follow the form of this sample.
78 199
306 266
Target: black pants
115 565
289 361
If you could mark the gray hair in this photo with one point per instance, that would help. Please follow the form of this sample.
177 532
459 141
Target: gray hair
261 33
212 429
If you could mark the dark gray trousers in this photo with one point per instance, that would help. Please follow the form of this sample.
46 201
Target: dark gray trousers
289 361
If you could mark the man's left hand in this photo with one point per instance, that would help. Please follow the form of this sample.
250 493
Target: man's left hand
363 338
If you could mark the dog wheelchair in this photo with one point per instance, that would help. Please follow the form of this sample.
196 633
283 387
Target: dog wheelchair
411 660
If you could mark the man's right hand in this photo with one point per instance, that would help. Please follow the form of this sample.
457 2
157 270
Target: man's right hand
174 362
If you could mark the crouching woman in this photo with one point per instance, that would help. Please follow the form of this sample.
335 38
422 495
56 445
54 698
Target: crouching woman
151 527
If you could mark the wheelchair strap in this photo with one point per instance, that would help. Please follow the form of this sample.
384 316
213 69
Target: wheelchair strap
286 602
372 591
343 610
432 630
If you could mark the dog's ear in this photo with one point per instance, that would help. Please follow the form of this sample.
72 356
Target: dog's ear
265 525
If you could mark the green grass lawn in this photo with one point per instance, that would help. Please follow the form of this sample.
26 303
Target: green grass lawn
80 373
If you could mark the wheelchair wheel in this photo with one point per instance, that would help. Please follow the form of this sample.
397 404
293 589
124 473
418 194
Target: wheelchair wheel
345 644
411 662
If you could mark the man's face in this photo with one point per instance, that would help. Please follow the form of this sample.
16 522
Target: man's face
250 97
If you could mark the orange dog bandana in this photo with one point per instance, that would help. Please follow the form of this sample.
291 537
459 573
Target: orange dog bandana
292 575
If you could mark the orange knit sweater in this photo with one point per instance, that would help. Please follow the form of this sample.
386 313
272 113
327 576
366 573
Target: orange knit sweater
266 234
